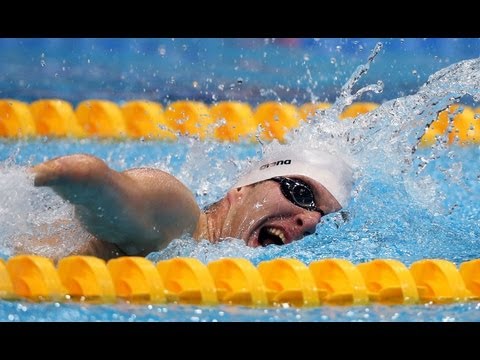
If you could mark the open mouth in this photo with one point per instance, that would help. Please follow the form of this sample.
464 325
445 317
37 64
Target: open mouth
269 235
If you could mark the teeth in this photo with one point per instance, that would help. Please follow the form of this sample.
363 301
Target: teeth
278 233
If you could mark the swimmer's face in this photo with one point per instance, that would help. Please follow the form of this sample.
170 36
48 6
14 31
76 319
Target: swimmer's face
261 215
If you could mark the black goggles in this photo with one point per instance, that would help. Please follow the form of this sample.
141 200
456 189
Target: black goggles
298 193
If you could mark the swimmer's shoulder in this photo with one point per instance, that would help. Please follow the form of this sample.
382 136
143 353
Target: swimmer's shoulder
151 178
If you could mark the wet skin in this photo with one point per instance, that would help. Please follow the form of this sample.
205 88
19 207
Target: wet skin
142 210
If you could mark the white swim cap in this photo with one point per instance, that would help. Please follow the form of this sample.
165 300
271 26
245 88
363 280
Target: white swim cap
329 170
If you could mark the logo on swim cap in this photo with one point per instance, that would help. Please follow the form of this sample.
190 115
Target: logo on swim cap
329 170
275 163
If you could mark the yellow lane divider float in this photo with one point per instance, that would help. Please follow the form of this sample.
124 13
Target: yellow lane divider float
470 272
458 123
190 118
16 119
389 282
310 110
101 118
87 277
439 281
187 281
35 278
6 287
137 279
288 281
236 281
277 119
55 118
339 282
235 121
146 118
224 121
356 109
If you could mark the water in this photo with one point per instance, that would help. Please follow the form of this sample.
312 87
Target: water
292 70
409 203
25 311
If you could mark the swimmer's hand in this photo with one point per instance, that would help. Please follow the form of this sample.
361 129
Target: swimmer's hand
78 168
140 210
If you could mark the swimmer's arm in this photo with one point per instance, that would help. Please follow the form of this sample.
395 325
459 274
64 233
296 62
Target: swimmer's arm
140 210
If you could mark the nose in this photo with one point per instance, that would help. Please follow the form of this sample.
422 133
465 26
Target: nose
307 221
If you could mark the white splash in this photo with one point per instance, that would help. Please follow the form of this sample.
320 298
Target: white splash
29 213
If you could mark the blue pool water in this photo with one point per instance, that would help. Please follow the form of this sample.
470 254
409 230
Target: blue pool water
251 70
409 203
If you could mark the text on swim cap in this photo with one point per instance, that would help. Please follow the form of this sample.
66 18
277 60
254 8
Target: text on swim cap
275 163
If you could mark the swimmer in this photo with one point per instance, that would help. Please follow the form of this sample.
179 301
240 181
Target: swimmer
137 211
